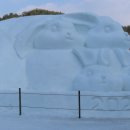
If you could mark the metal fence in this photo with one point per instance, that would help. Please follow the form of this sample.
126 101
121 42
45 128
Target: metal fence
48 108
76 101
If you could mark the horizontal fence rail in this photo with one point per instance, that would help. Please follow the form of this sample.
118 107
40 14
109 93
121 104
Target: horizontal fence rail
55 94
76 101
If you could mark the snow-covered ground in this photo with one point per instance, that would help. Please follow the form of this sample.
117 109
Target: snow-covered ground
39 123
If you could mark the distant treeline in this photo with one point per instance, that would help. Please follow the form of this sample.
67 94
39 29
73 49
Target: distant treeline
29 13
43 12
127 29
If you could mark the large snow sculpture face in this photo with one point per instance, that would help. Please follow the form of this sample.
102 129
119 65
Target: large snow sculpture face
50 34
57 35
107 34
98 78
66 32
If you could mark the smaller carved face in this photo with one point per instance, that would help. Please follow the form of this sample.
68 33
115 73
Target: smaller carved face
107 34
98 78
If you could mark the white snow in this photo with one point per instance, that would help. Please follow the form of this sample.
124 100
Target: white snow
63 54
38 48
38 123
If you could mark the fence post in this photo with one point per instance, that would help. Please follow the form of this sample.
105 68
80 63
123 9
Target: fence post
79 105
20 103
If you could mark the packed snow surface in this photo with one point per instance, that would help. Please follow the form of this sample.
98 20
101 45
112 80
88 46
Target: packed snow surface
65 53
40 123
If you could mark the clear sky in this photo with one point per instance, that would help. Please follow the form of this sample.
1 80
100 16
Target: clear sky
117 9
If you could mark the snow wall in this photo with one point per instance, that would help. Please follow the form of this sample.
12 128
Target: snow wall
68 52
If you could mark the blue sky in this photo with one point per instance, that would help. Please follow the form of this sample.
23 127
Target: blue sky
117 9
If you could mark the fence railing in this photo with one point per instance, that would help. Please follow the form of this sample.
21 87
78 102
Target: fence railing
76 101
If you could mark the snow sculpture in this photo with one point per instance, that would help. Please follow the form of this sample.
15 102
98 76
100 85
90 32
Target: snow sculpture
69 52
56 32
108 65
69 31
65 47
106 53
12 70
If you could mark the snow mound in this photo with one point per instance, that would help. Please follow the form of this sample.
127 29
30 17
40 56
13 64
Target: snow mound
53 53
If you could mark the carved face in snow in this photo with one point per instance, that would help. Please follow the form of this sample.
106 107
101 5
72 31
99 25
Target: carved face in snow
57 35
98 78
51 34
107 34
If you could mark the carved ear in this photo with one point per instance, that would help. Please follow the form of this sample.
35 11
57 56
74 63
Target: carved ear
86 56
83 17
83 22
24 41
